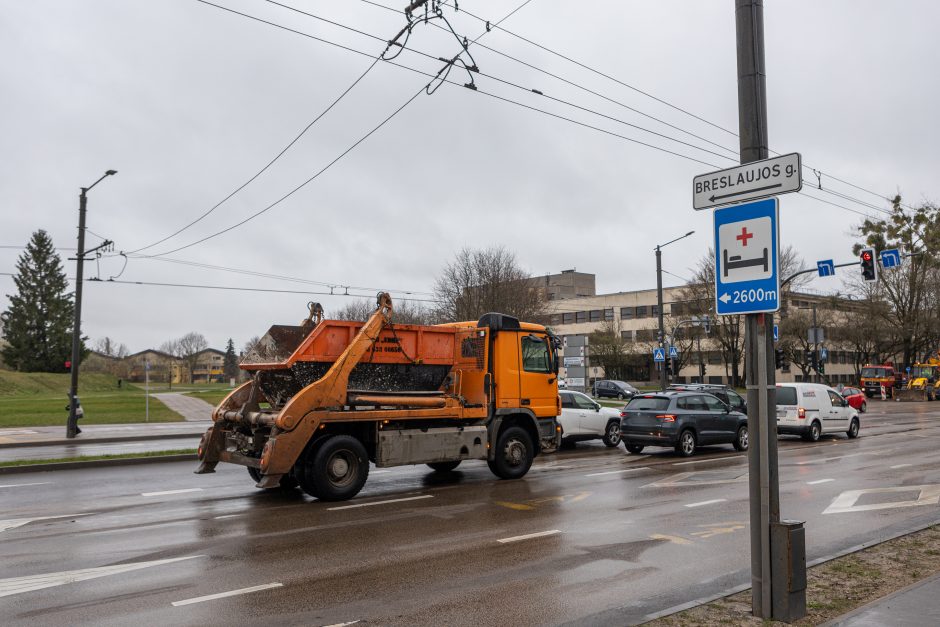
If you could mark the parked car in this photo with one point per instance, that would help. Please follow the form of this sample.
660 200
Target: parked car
856 398
812 409
582 418
614 389
685 420
724 393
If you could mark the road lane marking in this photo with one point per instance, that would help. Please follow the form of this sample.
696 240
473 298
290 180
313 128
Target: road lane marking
13 523
529 536
667 538
230 593
715 529
818 481
846 502
410 498
830 459
165 492
521 507
20 485
19 585
616 472
701 503
892 467
224 516
703 461
352 622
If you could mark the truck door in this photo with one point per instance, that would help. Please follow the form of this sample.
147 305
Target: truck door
537 389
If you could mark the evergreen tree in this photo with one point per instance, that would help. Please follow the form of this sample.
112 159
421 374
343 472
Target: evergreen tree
230 363
38 324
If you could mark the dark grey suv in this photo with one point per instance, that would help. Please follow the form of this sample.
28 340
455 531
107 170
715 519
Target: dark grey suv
685 420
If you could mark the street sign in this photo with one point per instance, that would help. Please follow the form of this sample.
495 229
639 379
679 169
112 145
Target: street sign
776 333
747 241
576 382
815 335
826 267
890 258
758 179
824 354
574 361
659 354
673 353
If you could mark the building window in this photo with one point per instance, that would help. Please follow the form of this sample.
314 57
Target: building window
641 311
715 380
568 318
626 336
595 315
646 335
556 320
654 310
609 314
582 316
626 313
714 357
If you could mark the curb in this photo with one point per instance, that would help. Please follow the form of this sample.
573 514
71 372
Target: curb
97 463
843 620
103 440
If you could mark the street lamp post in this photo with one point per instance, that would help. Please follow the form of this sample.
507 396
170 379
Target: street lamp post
659 300
72 427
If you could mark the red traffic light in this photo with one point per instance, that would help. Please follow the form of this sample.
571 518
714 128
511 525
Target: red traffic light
866 256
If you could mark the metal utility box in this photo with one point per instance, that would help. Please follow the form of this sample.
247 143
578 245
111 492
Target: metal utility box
788 565
421 446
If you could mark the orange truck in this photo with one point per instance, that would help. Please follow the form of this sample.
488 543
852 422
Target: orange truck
328 397
874 376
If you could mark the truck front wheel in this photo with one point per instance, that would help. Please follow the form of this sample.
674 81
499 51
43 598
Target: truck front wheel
514 454
335 469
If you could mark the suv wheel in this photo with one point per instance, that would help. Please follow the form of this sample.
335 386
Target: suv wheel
687 443
612 433
633 447
740 440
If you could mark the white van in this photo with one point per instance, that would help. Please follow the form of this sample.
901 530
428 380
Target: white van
812 409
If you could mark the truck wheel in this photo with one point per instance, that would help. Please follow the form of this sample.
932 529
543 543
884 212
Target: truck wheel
612 434
334 469
287 482
443 466
514 454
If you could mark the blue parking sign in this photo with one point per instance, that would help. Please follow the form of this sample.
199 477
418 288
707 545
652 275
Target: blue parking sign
747 240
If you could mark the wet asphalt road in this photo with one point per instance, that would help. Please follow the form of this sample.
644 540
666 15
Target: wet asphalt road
622 536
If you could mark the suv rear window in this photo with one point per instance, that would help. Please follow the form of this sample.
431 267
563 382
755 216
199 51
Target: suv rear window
786 396
656 403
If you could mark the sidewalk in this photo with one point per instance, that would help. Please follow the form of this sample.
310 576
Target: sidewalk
914 606
97 434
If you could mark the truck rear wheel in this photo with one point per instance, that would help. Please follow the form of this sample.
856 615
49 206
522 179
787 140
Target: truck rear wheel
334 468
514 454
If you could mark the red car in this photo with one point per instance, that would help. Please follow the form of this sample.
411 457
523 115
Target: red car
856 398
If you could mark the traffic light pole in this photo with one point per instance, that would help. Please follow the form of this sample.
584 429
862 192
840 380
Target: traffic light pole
662 330
71 429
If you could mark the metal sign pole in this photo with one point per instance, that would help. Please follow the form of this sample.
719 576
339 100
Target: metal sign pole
147 393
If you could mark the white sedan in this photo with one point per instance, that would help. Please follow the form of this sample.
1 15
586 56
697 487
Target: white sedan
583 419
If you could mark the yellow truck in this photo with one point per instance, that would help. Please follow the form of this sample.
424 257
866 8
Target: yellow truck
923 382
328 397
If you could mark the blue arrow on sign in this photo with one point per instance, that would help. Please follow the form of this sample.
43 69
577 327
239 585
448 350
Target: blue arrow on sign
747 247
659 354
776 333
673 353
890 258
826 267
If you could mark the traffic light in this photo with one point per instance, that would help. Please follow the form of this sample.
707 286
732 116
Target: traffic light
869 264
811 360
668 366
779 358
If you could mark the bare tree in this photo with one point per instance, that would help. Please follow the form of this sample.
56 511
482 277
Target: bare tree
479 281
187 349
403 311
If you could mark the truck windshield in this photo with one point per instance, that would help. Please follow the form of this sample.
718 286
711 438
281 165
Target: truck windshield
873 372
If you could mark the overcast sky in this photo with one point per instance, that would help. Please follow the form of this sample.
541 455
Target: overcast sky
188 102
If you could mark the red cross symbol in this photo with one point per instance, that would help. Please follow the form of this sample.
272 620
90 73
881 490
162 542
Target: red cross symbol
744 236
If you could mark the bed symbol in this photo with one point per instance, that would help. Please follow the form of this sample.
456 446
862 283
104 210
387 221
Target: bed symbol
735 261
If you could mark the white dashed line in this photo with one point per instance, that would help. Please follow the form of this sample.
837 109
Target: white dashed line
616 472
818 481
165 492
13 523
892 467
528 536
20 485
224 516
702 461
410 498
352 622
222 595
706 502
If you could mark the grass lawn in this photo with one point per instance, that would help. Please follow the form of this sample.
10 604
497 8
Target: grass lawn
211 396
40 399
